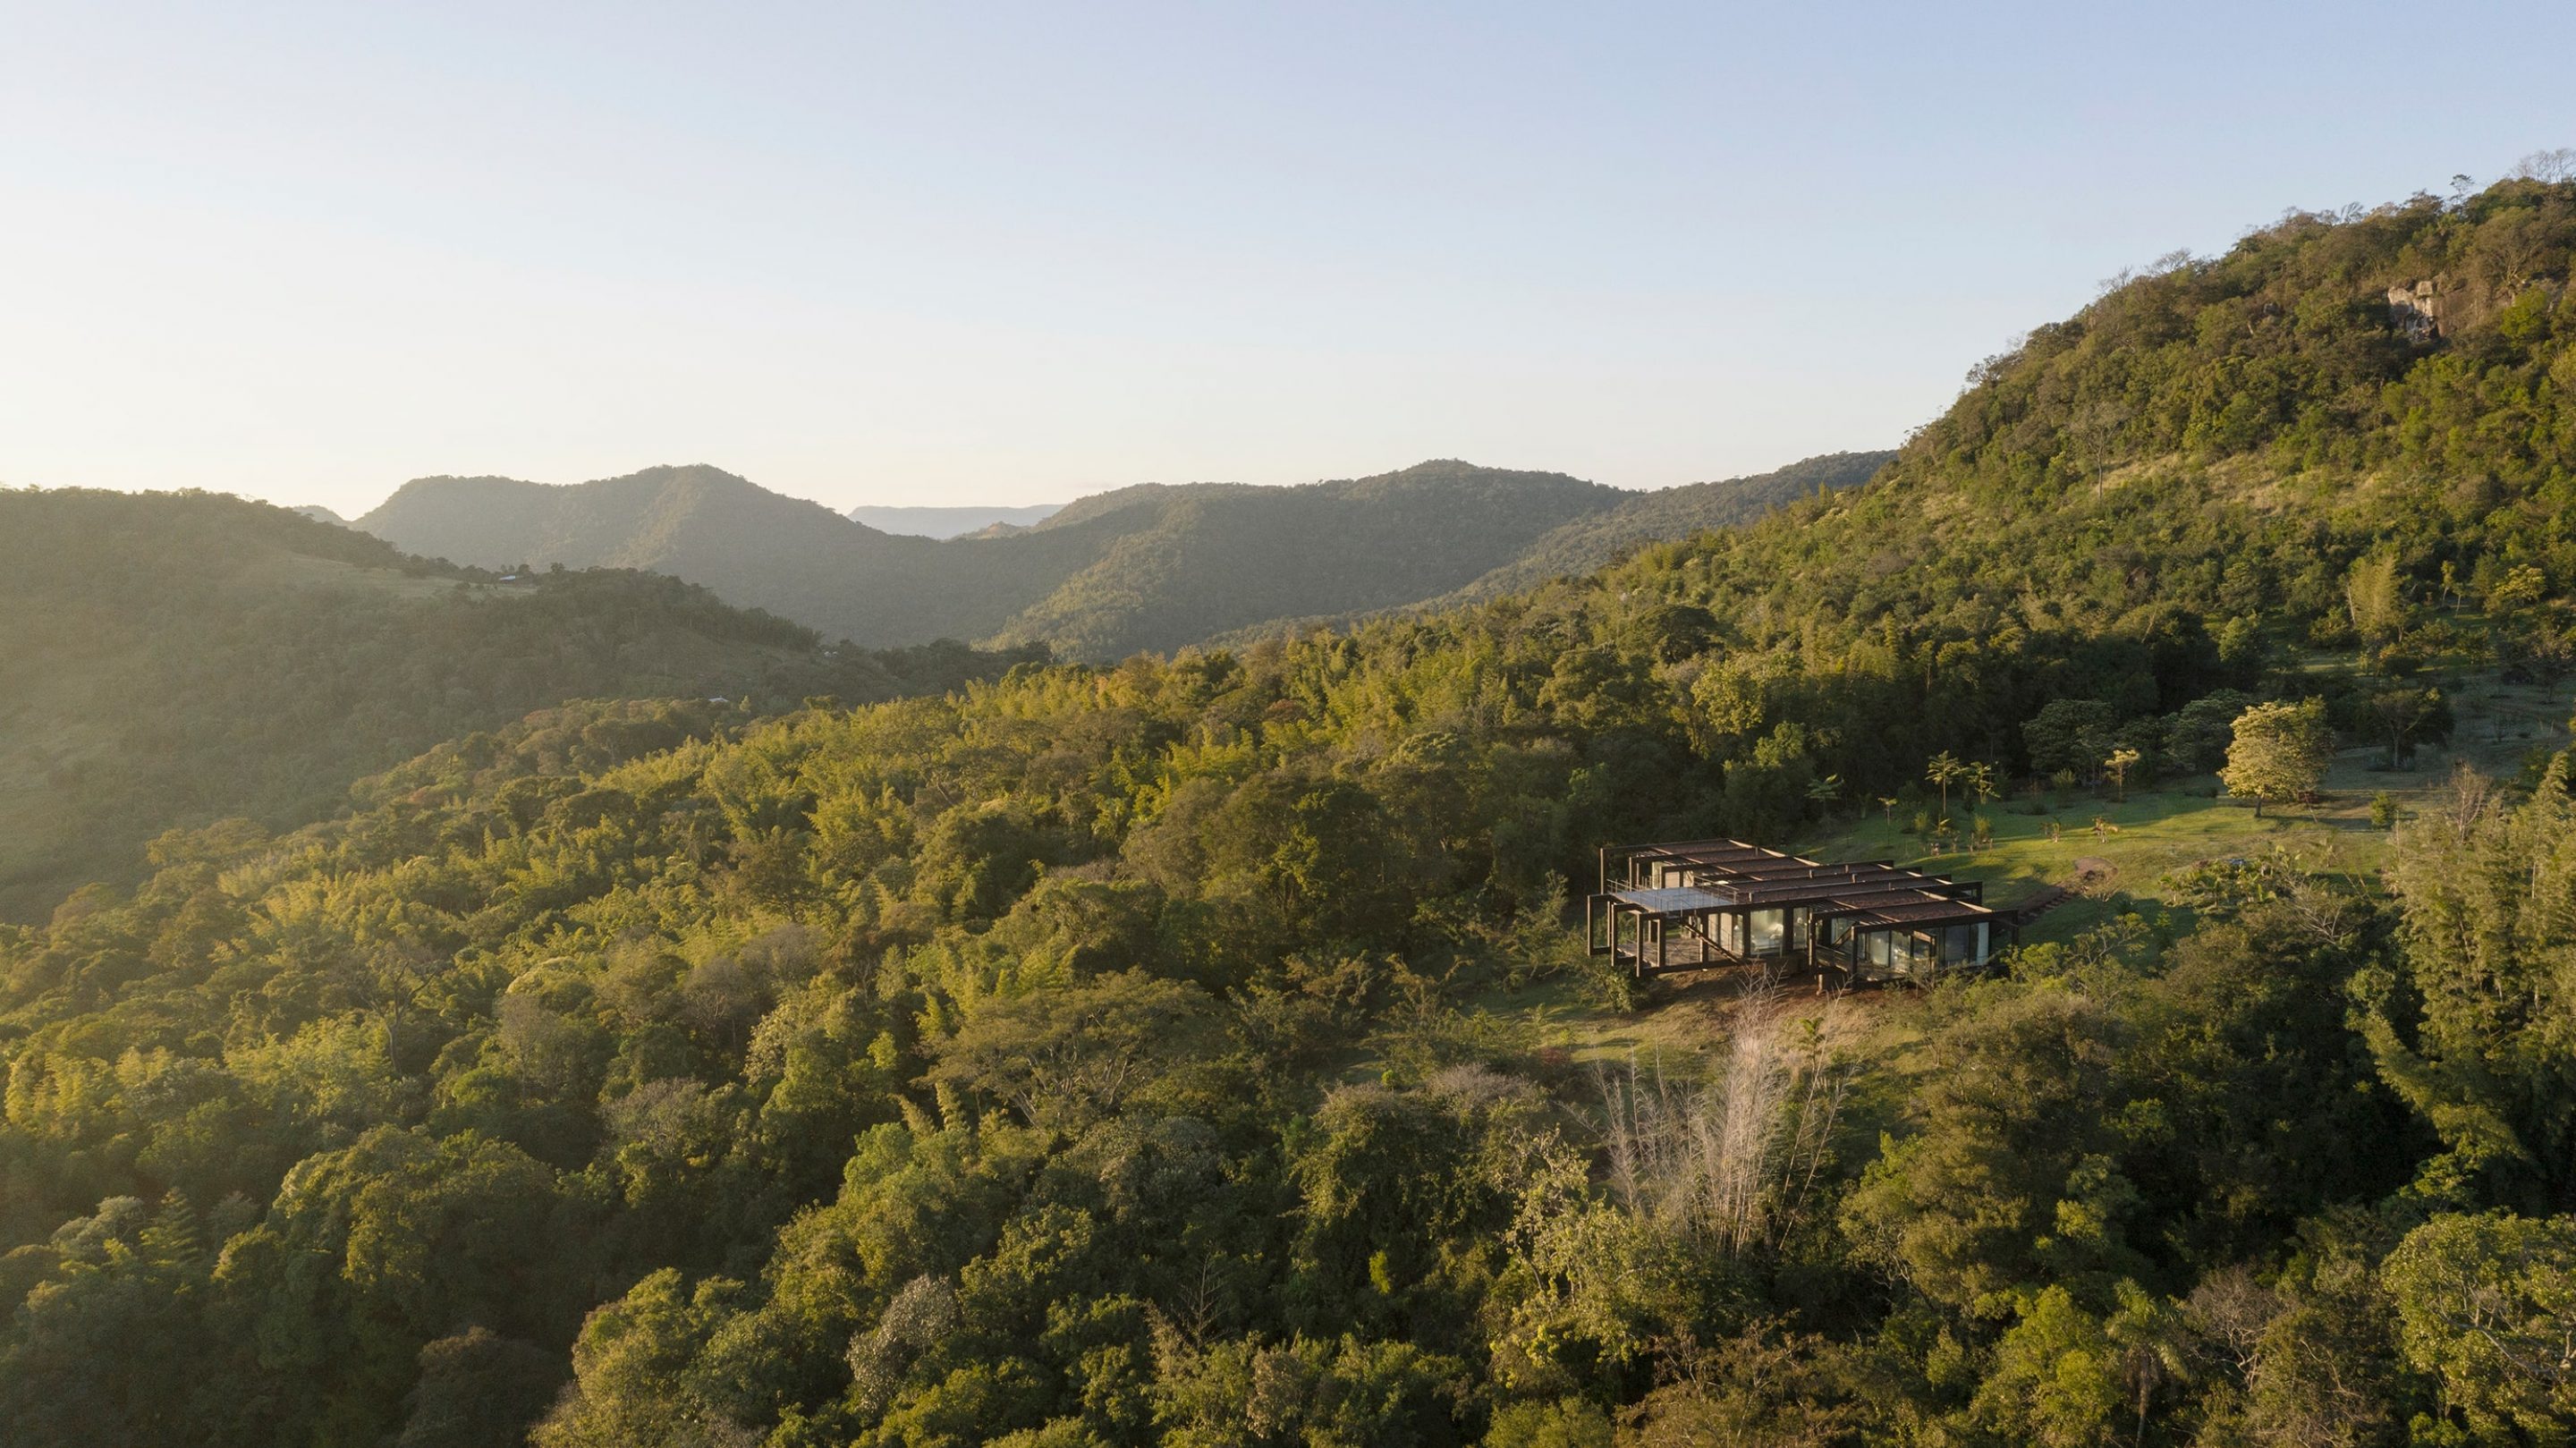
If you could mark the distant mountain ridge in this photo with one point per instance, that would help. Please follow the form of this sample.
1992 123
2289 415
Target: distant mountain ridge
176 658
1154 566
939 522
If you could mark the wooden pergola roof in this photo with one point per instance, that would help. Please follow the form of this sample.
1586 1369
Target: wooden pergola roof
1672 902
1730 875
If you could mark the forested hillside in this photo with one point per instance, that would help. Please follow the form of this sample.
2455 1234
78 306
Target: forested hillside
1595 540
1666 515
1175 1051
178 658
1150 567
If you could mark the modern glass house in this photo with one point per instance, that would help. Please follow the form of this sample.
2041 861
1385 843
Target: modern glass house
1694 904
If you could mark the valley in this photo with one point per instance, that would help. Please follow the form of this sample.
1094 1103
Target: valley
1152 567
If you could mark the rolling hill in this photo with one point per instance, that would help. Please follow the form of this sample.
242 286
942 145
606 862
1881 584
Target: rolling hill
1148 567
176 658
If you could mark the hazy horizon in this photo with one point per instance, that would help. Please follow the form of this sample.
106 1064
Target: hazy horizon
960 503
1015 256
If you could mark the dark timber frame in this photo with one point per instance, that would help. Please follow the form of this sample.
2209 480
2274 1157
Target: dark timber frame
1698 904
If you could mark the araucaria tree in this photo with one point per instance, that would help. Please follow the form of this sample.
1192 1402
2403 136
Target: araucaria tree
2118 766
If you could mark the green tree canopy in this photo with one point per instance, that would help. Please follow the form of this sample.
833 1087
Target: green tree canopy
2279 754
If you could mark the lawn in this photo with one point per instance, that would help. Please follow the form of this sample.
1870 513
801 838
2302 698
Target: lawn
2118 849
2143 841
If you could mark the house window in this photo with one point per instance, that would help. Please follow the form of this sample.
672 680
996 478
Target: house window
1768 927
1964 944
1915 952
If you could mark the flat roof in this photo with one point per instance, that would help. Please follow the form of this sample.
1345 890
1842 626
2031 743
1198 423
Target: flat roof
1871 894
1817 884
1708 852
1924 913
1672 900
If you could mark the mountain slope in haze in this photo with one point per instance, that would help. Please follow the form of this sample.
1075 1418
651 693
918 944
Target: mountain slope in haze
177 658
1156 566
690 522
1216 557
751 546
937 522
1666 514
1594 541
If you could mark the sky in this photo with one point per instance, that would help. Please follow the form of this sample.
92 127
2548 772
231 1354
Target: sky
1007 254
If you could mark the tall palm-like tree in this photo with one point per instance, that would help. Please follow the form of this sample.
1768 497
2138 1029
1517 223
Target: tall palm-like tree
1943 771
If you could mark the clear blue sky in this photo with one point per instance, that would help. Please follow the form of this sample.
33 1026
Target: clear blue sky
1000 253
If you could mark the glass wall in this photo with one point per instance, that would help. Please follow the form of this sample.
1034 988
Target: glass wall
1914 953
1770 927
1886 953
1966 944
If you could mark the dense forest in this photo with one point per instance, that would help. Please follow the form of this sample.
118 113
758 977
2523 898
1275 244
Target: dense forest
175 659
1156 566
1671 514
1144 1053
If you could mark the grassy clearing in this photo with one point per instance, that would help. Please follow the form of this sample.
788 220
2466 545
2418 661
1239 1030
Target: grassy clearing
281 569
2145 840
1684 1037
2118 851
2124 854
